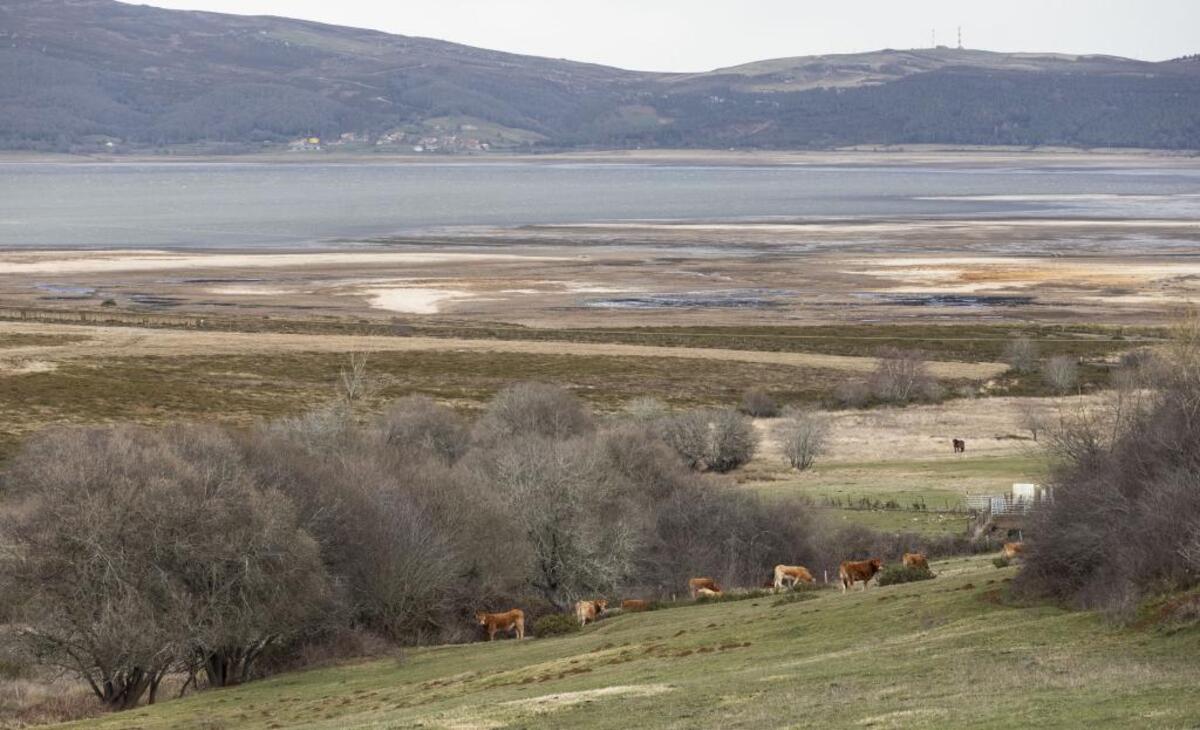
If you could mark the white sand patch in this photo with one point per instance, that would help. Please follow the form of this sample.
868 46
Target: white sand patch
412 301
520 291
583 287
250 291
79 262
957 288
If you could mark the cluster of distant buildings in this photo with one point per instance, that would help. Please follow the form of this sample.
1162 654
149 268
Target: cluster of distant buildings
399 138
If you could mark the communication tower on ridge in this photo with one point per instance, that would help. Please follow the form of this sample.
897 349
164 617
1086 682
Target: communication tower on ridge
960 37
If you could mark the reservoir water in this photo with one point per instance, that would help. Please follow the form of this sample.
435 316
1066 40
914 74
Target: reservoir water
251 205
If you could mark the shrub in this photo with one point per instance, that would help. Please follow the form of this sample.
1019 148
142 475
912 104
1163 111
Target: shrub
719 441
896 574
852 394
799 594
418 423
687 434
555 624
758 403
534 409
802 437
1001 562
901 376
1021 355
1128 477
646 409
1061 373
732 441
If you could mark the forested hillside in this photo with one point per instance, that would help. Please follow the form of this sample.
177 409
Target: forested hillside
82 75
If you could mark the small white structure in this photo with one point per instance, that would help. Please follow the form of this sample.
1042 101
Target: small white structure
1030 493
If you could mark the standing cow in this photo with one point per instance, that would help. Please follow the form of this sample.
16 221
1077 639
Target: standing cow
790 574
960 446
588 610
852 572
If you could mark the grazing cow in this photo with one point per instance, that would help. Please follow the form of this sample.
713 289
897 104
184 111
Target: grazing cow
1013 550
634 604
852 572
695 584
960 446
791 574
588 610
513 620
707 592
916 560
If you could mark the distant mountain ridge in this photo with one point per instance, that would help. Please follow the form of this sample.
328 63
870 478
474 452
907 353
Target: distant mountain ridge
77 75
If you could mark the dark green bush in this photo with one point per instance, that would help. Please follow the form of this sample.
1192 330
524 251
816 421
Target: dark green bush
896 574
555 624
803 594
1001 562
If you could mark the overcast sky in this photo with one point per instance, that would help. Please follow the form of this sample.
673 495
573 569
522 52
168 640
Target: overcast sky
695 35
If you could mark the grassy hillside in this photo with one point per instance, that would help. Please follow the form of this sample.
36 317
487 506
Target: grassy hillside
951 652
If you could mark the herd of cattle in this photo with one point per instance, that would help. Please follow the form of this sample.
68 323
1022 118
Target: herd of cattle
849 573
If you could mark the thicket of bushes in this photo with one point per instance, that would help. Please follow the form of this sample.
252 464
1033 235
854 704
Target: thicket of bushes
1125 520
222 554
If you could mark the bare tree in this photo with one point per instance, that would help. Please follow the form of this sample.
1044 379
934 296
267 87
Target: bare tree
573 520
802 436
352 379
138 552
1021 355
1061 373
900 376
1031 418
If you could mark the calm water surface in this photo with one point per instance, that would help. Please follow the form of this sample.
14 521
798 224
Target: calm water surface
260 205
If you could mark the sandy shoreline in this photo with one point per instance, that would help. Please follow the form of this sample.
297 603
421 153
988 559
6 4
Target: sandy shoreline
90 262
875 155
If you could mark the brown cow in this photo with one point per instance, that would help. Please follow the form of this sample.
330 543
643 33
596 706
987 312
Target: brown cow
708 592
916 560
1013 550
588 610
960 446
862 570
513 620
695 584
634 604
792 574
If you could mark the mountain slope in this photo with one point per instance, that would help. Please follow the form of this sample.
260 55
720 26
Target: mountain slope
75 74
